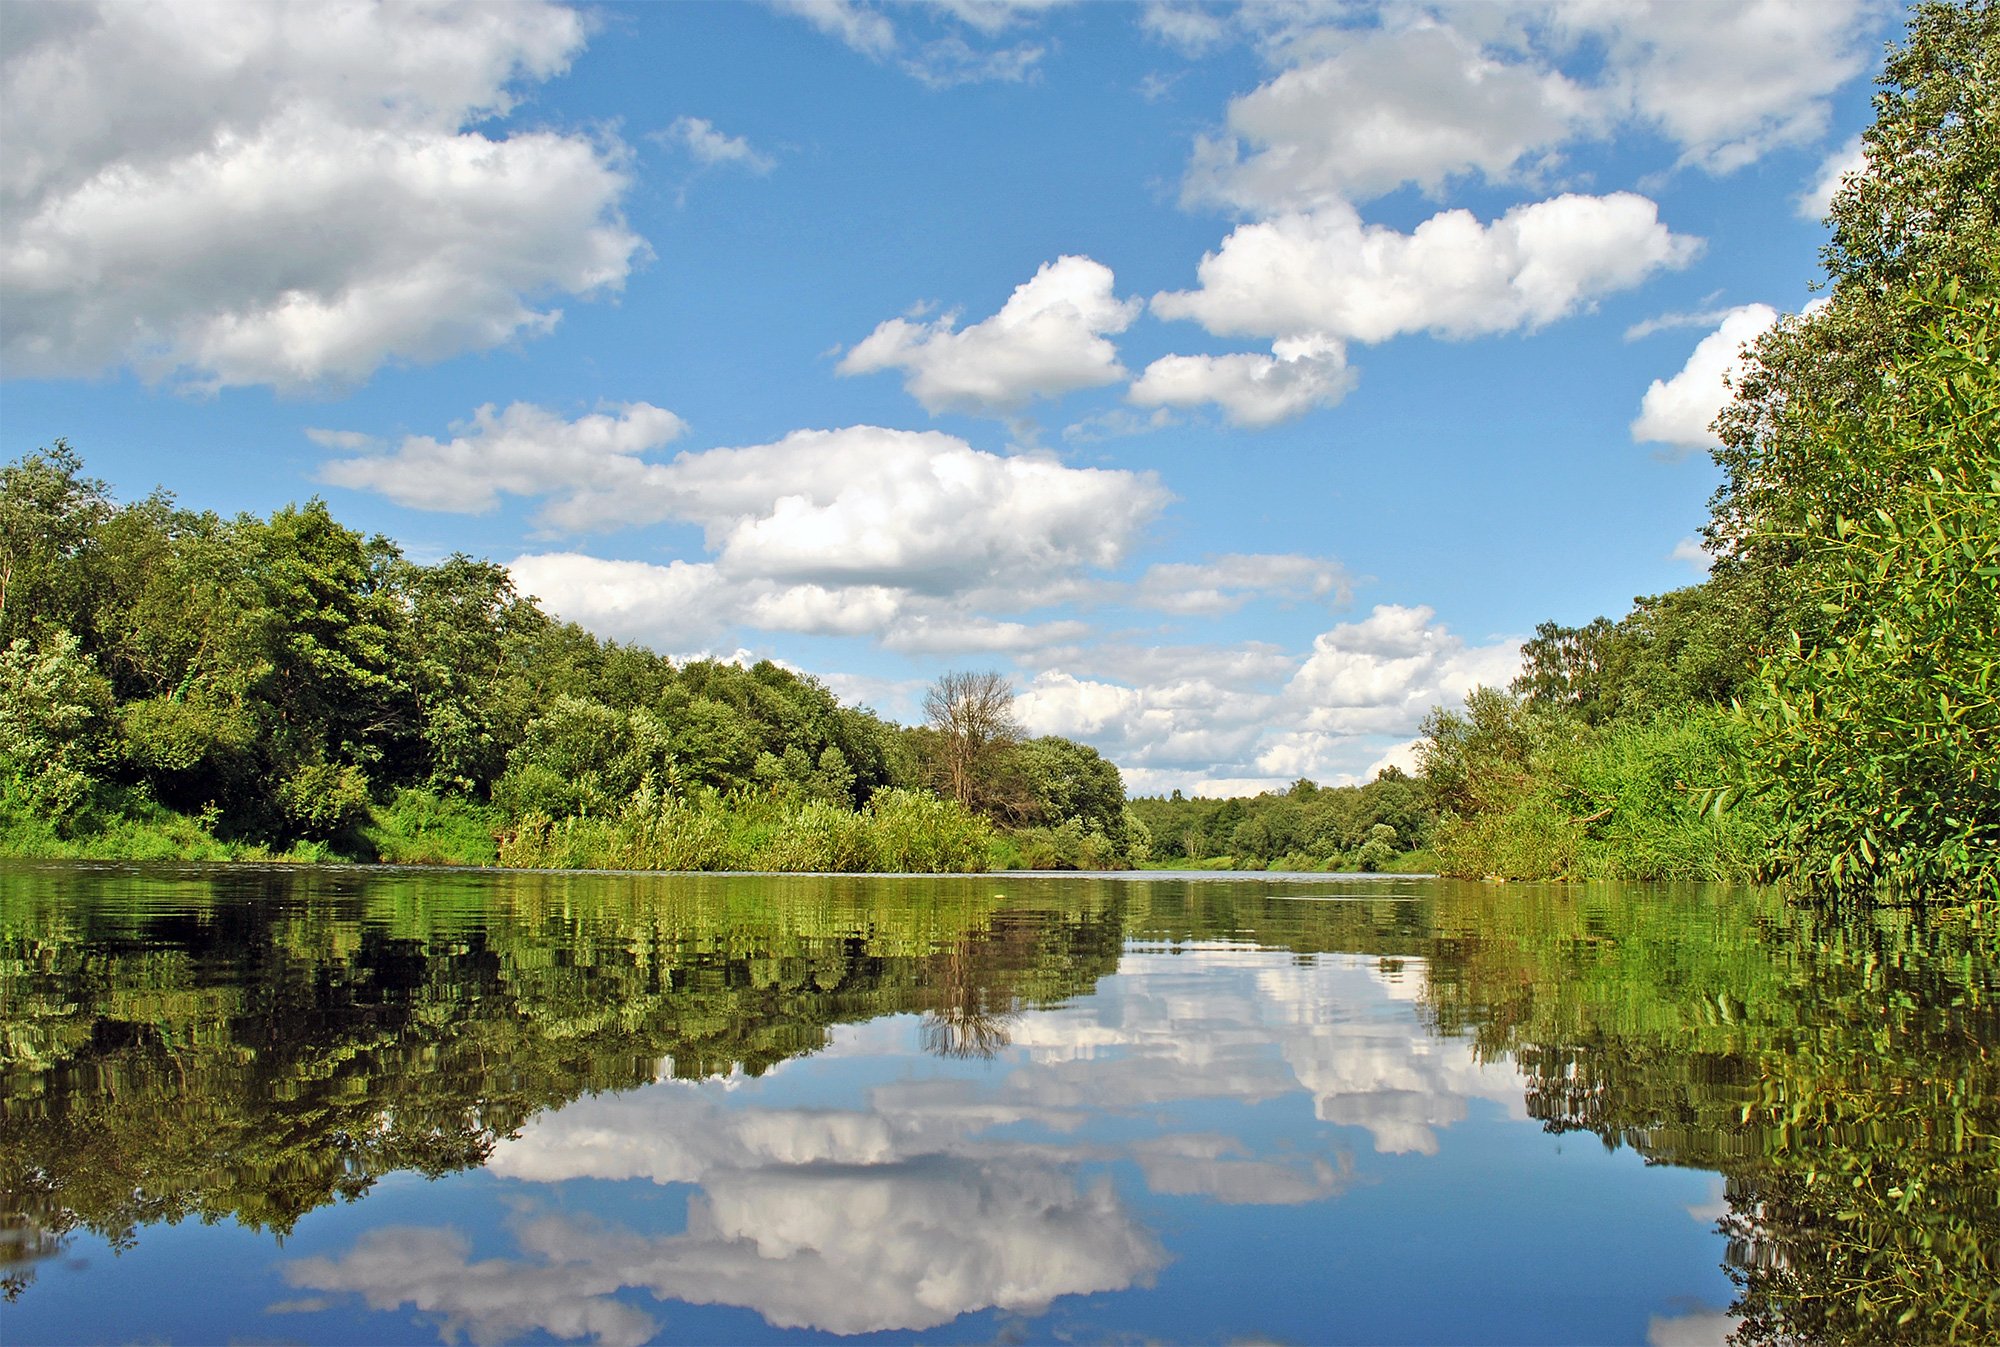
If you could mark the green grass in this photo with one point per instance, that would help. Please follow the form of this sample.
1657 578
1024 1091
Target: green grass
418 828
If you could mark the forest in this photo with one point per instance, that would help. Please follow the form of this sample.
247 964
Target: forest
174 684
1824 710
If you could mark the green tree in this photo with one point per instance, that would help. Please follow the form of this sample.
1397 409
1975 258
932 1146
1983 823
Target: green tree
49 516
1881 738
1922 211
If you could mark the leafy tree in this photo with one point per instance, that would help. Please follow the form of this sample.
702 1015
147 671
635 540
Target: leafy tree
49 514
1069 780
1922 211
55 709
1881 738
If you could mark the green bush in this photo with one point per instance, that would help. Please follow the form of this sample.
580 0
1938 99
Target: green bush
419 828
1627 800
918 833
822 839
1879 741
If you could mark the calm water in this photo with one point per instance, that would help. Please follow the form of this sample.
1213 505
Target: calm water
340 1106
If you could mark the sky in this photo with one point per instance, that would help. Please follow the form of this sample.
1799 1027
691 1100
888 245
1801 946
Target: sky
1240 383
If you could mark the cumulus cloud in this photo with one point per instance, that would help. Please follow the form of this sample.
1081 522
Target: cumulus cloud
710 147
912 536
918 510
1419 104
676 607
1327 273
1048 339
525 450
1357 109
1225 583
290 195
1254 391
1259 719
921 510
1731 83
1679 411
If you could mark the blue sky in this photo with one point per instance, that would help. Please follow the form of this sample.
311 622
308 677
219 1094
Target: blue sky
1241 382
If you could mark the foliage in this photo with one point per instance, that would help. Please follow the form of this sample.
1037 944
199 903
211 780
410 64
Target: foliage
417 827
1534 795
54 708
289 687
1852 611
1921 212
1880 739
1694 646
1304 827
897 831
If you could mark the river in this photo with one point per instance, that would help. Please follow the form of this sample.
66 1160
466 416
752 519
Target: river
340 1105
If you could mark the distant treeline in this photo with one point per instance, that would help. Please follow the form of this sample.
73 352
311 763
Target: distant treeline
1304 827
177 684
1824 710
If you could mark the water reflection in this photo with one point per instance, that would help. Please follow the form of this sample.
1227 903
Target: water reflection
1105 1059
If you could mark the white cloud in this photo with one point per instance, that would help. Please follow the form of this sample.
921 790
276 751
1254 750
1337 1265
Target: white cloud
675 607
289 194
1381 675
1194 30
912 537
921 510
1690 552
1678 411
1358 108
1116 423
1729 83
1047 340
1328 273
709 146
864 30
967 634
941 62
1420 104
1225 583
524 451
1264 718
994 16
1255 391
1668 322
1817 200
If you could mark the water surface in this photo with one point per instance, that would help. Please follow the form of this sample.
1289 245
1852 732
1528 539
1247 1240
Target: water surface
334 1106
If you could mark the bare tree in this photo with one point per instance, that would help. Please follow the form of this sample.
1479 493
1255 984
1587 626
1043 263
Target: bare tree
973 714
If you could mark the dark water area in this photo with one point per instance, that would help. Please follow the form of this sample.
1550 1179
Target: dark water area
347 1105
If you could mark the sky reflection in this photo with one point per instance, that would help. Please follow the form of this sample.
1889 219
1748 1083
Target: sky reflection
905 1202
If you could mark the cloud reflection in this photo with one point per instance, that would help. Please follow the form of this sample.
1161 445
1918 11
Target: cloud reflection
933 1198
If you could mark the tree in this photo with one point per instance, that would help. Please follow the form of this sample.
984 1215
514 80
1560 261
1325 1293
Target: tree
49 515
1880 741
1922 210
1074 781
972 715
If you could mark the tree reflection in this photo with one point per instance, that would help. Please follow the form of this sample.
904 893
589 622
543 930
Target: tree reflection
256 1047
